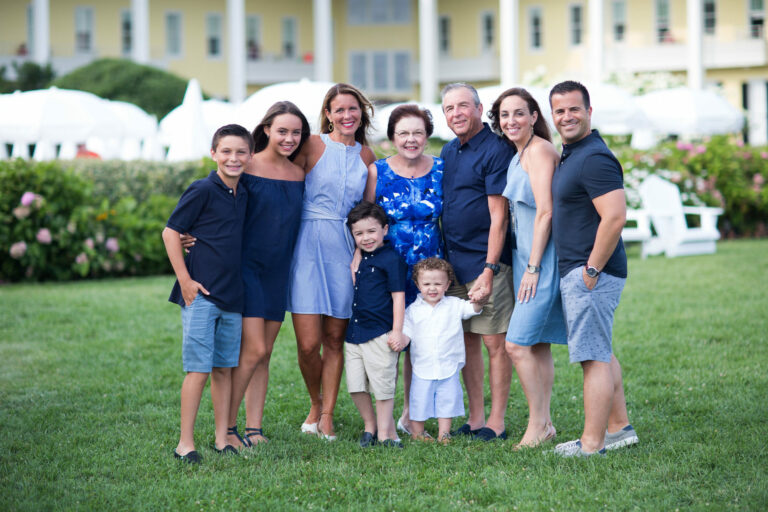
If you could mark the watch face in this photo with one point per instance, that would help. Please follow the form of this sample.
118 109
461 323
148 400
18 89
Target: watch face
592 272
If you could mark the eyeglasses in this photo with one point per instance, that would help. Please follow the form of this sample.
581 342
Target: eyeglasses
417 134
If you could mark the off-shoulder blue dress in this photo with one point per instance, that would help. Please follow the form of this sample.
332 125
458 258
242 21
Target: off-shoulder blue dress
413 206
269 235
320 279
539 320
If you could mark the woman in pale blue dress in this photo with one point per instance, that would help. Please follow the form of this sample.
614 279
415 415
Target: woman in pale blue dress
537 320
320 288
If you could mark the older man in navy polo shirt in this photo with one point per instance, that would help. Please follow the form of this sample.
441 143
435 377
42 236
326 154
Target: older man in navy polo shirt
474 228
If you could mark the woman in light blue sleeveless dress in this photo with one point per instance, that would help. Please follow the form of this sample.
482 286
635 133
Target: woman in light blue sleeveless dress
537 320
320 289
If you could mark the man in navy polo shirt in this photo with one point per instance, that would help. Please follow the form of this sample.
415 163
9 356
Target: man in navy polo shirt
474 229
588 214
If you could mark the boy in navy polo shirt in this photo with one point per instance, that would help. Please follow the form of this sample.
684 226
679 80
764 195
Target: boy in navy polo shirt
375 332
209 285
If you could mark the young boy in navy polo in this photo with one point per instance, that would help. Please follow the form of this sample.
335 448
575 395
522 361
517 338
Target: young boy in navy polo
375 332
209 285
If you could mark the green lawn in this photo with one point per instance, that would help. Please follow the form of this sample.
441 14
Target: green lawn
91 372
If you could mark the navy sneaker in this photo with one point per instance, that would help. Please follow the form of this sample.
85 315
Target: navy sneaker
487 434
465 430
367 440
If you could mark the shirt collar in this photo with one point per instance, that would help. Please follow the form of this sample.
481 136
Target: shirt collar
478 139
215 178
421 302
377 250
573 146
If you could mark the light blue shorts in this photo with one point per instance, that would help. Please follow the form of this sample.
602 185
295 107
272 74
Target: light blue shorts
211 336
589 315
441 398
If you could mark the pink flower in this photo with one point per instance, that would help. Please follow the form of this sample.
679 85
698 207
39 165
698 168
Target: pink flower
112 245
764 155
18 250
684 146
758 179
89 243
28 198
21 212
71 227
740 143
701 149
44 236
81 258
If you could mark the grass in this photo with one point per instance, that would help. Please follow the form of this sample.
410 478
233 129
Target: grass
91 372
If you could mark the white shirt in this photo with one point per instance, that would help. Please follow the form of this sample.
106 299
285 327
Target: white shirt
437 336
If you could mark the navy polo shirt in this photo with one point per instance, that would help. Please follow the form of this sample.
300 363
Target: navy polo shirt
473 171
587 170
380 273
211 212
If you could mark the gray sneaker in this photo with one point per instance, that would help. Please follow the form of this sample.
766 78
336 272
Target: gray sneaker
624 437
573 449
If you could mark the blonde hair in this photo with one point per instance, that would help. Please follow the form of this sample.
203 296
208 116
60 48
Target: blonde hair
432 264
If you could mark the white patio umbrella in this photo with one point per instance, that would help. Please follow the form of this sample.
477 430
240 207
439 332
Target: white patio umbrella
215 113
56 115
188 140
690 112
614 110
306 94
381 120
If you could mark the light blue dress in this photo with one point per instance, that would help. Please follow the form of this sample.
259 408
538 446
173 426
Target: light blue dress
320 281
539 320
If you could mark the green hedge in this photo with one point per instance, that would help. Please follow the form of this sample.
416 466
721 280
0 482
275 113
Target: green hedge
73 220
720 171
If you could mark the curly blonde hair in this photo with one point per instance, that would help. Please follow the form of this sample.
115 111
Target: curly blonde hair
432 264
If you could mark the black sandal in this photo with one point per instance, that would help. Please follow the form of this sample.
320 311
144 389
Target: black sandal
250 432
232 431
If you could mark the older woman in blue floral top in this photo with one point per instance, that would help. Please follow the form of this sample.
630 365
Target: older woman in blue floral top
409 186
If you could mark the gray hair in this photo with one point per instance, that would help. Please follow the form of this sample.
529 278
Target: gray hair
460 85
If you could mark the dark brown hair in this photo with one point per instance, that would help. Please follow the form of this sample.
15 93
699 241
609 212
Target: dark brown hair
433 264
365 209
404 111
281 107
540 127
366 110
232 129
570 86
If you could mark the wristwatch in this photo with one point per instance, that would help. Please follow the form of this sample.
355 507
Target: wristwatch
533 269
493 266
592 271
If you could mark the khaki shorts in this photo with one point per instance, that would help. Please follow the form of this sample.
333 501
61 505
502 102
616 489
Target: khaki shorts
371 368
495 316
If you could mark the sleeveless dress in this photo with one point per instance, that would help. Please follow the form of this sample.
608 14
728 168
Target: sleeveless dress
320 280
539 320
413 206
269 235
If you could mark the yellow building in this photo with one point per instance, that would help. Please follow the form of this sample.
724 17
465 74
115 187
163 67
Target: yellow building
402 49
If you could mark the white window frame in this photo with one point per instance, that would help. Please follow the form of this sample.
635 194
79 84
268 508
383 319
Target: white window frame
617 22
170 51
211 18
484 46
708 31
84 26
30 29
662 24
575 26
444 36
393 12
126 49
294 40
253 21
371 68
754 15
535 11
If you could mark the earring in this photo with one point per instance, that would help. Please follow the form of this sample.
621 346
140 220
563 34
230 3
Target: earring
330 127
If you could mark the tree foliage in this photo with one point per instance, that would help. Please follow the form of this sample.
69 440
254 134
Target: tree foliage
152 89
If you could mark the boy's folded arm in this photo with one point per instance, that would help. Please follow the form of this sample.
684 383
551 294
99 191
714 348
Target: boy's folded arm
189 287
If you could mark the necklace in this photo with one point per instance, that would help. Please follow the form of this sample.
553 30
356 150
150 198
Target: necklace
525 147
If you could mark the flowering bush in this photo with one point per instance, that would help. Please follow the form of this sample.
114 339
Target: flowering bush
720 171
90 220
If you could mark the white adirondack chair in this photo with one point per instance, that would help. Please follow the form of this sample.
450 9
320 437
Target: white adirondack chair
640 231
661 199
